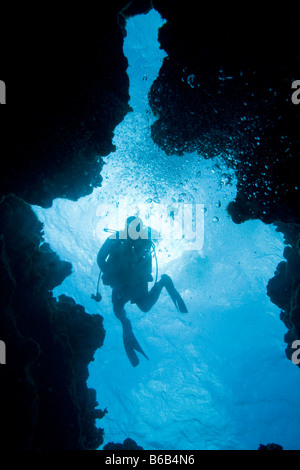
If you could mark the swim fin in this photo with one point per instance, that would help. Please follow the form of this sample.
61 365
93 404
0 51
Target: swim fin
174 294
131 344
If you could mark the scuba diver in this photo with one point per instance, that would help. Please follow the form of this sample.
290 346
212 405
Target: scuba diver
125 262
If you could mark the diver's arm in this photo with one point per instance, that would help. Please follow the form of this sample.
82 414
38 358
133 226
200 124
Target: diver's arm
103 253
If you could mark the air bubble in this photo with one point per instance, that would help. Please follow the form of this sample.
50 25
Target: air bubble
225 179
191 80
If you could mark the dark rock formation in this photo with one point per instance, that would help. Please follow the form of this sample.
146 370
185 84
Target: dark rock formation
284 288
271 446
128 444
225 89
67 90
45 401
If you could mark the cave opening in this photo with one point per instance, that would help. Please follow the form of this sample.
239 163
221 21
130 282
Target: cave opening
217 377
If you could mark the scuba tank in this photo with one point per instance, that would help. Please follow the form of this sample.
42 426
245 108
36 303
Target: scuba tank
98 296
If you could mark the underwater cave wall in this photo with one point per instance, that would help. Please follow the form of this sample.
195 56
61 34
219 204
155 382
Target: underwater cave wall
67 90
45 398
284 288
225 89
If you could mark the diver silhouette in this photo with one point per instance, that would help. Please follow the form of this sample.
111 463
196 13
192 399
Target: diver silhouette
125 262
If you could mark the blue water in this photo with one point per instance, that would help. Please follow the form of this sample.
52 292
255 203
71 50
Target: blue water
217 377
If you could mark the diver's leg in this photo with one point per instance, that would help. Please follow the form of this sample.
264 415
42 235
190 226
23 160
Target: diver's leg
146 303
129 340
174 294
118 302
